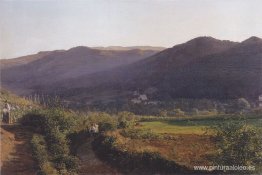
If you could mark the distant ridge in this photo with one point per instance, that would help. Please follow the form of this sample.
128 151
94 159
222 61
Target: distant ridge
24 74
156 48
203 67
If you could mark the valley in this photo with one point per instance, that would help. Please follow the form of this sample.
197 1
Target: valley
158 111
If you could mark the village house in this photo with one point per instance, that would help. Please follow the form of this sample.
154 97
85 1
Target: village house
260 100
140 98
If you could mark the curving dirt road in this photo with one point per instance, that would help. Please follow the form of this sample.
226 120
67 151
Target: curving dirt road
90 164
16 158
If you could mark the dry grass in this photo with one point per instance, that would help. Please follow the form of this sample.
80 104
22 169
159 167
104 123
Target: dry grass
185 149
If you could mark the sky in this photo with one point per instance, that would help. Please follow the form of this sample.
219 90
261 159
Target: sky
30 26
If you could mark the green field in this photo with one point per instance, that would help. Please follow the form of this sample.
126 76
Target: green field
166 127
189 126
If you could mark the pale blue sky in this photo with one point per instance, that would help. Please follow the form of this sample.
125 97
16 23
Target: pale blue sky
29 26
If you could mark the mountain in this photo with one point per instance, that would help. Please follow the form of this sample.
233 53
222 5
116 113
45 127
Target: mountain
200 68
203 67
206 68
7 63
23 75
155 48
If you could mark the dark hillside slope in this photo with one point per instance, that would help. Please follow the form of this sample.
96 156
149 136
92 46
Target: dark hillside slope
27 74
201 68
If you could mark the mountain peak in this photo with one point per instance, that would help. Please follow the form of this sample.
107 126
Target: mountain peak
202 39
204 45
208 40
78 48
252 39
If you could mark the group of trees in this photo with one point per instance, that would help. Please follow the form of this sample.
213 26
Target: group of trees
45 100
185 107
108 122
237 143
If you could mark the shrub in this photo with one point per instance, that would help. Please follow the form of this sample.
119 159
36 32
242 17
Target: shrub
237 143
66 163
179 112
163 113
60 119
195 111
56 125
126 120
39 148
40 153
242 104
104 120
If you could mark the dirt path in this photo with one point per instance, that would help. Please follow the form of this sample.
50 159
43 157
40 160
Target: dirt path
90 164
16 158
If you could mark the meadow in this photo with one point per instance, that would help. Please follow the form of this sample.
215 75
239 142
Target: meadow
191 126
133 143
188 141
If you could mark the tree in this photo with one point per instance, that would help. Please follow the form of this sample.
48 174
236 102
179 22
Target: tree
237 143
195 111
126 119
179 112
242 105
163 113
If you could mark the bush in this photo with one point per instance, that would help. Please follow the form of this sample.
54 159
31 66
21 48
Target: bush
237 143
56 125
163 113
66 163
243 104
179 112
58 118
104 120
40 153
126 120
195 111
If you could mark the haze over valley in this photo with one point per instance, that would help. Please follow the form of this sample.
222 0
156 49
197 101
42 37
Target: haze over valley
203 67
123 87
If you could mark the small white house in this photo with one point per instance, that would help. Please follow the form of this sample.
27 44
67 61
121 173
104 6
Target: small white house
140 99
143 97
260 100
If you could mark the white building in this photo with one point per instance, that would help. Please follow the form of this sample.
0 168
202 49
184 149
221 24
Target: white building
140 99
143 97
260 100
